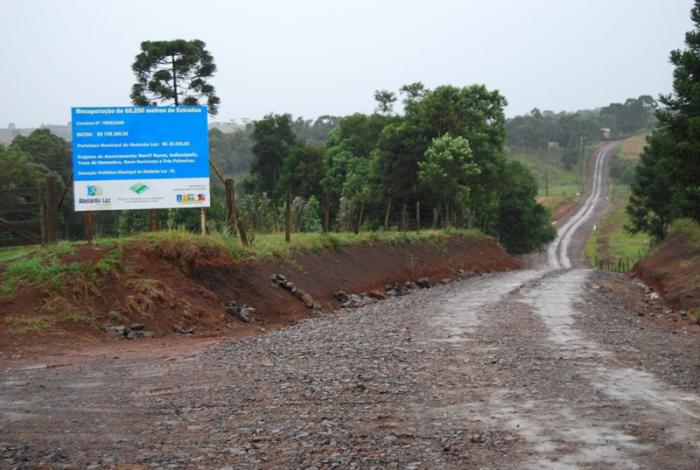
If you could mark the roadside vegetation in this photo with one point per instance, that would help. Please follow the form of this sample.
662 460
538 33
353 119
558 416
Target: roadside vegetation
611 245
49 267
558 186
666 184
68 279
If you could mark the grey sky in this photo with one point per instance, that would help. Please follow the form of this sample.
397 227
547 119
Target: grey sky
313 57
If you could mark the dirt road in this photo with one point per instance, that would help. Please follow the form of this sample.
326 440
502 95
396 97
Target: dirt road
549 367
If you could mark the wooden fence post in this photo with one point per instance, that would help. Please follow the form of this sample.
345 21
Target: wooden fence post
359 217
89 228
42 209
49 210
404 216
203 219
152 220
288 217
386 215
230 205
241 228
417 216
65 190
327 211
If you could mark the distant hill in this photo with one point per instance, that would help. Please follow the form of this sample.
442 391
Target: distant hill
7 133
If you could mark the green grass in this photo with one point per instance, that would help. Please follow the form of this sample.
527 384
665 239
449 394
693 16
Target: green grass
547 168
265 246
43 267
29 324
557 184
610 240
690 228
11 254
79 318
274 245
632 147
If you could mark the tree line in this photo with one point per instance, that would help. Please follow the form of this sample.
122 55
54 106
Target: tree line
537 130
443 153
666 185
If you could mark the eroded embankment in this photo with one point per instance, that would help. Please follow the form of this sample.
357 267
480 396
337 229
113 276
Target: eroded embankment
673 271
183 288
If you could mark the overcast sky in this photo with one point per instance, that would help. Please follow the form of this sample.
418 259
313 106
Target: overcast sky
315 57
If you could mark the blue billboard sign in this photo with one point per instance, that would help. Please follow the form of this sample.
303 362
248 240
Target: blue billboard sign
140 157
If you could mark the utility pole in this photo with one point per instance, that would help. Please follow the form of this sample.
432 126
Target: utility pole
546 176
581 158
288 216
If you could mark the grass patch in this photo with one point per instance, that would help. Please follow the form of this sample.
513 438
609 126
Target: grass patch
631 148
557 184
29 324
274 245
610 241
46 269
690 228
79 318
43 267
269 245
11 254
112 260
549 172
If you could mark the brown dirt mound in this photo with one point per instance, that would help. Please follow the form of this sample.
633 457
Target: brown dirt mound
169 287
563 211
673 271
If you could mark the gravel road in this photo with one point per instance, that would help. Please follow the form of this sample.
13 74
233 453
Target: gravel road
551 367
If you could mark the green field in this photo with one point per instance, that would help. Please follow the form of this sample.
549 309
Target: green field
610 242
557 184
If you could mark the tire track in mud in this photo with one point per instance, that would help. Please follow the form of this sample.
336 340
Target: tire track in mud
568 398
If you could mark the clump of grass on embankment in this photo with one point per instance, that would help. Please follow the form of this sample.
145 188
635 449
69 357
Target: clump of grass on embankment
48 268
688 227
61 286
265 246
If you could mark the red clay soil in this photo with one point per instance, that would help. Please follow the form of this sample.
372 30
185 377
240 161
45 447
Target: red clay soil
563 211
673 271
189 285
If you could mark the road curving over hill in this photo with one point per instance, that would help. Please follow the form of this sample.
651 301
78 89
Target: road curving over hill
548 367
585 405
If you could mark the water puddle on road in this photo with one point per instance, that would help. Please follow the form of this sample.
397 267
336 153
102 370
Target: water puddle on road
458 316
553 302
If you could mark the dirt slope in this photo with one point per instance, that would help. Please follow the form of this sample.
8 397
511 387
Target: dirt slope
673 271
168 287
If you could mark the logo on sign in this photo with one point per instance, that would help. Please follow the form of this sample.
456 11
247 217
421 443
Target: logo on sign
94 190
139 188
188 198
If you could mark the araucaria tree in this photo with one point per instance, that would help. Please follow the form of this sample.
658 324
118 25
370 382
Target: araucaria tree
667 182
174 72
